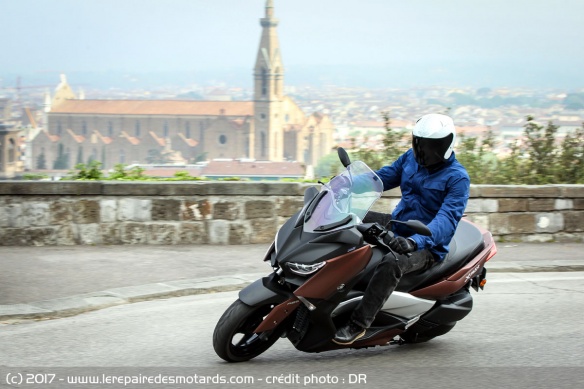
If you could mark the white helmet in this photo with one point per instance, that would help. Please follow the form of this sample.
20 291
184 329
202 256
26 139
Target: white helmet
433 139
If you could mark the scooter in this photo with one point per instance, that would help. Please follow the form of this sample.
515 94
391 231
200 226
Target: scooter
323 258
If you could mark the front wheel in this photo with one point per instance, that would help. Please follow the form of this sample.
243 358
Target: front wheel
234 339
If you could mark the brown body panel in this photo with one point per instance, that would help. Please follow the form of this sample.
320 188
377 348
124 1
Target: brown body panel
337 271
322 285
278 314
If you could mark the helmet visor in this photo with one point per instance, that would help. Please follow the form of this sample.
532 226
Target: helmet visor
428 151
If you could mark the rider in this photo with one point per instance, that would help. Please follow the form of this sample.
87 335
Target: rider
435 190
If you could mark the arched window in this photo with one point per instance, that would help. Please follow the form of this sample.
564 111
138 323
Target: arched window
110 129
11 150
187 130
165 129
84 127
264 82
59 128
137 128
122 156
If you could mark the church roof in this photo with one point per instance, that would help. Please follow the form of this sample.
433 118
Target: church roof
155 107
77 138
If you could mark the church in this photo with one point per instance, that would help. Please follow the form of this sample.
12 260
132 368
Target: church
270 128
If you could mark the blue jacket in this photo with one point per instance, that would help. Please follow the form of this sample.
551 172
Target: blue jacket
437 199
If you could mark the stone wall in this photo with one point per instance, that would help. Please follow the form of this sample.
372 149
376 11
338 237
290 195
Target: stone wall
70 213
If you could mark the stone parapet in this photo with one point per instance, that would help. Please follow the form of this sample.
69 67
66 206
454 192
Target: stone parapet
85 212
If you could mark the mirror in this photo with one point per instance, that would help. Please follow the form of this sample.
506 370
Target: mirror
309 194
344 157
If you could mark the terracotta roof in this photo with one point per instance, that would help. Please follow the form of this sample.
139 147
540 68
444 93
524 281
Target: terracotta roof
131 139
155 107
105 139
246 168
188 141
158 140
77 138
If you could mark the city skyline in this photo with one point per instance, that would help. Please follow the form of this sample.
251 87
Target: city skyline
370 43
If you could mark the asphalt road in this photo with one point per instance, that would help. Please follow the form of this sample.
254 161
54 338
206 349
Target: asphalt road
525 331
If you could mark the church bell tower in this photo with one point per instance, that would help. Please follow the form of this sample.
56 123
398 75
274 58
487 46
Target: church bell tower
268 92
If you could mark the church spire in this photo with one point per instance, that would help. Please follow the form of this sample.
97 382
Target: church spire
269 70
268 91
269 8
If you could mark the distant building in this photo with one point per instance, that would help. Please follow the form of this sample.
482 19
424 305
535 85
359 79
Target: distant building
5 109
10 163
271 127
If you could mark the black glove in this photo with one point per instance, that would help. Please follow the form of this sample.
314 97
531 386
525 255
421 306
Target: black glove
402 245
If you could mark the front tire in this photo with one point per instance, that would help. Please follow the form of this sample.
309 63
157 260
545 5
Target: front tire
234 339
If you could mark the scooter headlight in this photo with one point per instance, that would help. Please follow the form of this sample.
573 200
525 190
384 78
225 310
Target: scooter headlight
304 270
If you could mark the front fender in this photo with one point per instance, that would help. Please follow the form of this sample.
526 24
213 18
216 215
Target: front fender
264 291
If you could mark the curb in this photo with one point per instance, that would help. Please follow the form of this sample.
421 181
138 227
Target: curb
74 305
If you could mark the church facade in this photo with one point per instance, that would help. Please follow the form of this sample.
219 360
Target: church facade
270 128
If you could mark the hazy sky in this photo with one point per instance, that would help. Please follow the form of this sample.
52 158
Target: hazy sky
385 41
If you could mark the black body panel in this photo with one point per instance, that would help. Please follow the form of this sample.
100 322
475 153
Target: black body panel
264 291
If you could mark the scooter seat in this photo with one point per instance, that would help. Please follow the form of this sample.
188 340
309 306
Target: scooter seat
466 243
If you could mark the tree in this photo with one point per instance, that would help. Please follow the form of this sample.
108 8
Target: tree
478 159
571 158
542 152
392 141
511 169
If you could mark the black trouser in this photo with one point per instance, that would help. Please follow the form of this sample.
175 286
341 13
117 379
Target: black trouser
386 277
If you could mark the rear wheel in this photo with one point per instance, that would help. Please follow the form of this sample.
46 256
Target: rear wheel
234 339
421 337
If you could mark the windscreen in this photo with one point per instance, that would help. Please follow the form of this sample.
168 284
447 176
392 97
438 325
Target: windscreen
347 199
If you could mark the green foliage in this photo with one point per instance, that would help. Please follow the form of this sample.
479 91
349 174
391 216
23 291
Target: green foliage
478 159
540 161
34 176
232 179
90 171
182 176
120 173
543 154
571 158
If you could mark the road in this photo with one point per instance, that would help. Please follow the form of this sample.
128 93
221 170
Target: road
525 331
